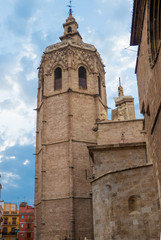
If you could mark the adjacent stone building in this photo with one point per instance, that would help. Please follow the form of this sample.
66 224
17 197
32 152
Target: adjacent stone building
124 194
146 33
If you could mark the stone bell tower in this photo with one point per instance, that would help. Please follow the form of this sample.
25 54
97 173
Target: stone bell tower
71 98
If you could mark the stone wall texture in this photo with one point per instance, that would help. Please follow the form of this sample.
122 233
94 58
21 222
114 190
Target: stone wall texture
149 85
125 203
65 119
113 218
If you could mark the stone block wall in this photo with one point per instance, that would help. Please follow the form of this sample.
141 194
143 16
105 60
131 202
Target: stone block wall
115 217
113 132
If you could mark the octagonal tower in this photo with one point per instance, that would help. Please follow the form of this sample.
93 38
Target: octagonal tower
71 98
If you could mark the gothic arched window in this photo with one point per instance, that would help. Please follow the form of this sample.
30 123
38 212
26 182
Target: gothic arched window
82 78
154 29
57 78
99 86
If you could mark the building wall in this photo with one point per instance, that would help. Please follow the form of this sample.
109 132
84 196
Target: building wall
114 218
26 222
10 221
149 84
115 157
125 204
1 218
113 132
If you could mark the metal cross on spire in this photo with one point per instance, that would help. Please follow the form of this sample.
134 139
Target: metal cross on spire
70 7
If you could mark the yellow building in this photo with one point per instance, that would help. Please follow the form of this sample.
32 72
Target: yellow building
10 222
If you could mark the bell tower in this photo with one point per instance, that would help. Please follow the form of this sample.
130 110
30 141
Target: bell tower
71 97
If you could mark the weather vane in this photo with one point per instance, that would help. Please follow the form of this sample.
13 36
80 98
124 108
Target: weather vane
70 7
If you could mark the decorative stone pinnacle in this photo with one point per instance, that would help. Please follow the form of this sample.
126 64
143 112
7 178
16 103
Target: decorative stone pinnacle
120 89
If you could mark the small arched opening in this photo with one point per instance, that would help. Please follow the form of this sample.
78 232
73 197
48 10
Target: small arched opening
82 78
57 78
69 29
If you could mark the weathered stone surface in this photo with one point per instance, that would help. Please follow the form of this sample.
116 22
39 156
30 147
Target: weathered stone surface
149 76
112 216
125 202
65 119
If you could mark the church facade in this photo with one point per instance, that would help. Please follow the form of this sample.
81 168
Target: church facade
94 176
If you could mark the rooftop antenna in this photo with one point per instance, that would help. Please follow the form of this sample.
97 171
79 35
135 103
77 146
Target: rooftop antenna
70 7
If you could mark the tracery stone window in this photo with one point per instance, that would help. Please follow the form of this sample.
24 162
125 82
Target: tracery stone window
154 29
57 78
134 203
82 78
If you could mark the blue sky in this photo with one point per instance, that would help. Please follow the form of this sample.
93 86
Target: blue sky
26 28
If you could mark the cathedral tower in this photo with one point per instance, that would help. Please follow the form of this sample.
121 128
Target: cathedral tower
71 98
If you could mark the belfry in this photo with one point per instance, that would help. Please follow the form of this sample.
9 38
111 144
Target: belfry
71 98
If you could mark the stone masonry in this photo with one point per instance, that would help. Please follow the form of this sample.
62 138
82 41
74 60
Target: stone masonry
146 33
65 118
125 202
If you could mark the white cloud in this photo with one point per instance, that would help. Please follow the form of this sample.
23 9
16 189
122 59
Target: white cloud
9 179
26 162
99 11
11 157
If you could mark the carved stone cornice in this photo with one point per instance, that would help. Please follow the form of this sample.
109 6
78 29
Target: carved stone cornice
71 54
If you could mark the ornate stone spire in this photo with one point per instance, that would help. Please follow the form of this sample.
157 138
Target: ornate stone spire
70 29
125 106
120 89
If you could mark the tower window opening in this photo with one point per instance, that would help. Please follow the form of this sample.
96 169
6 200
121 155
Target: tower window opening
82 78
57 78
69 29
99 86
42 88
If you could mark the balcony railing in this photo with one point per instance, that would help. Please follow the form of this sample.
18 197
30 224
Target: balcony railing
9 233
14 213
28 229
29 220
5 212
10 213
10 223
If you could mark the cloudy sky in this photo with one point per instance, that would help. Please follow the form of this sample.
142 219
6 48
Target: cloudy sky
26 28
